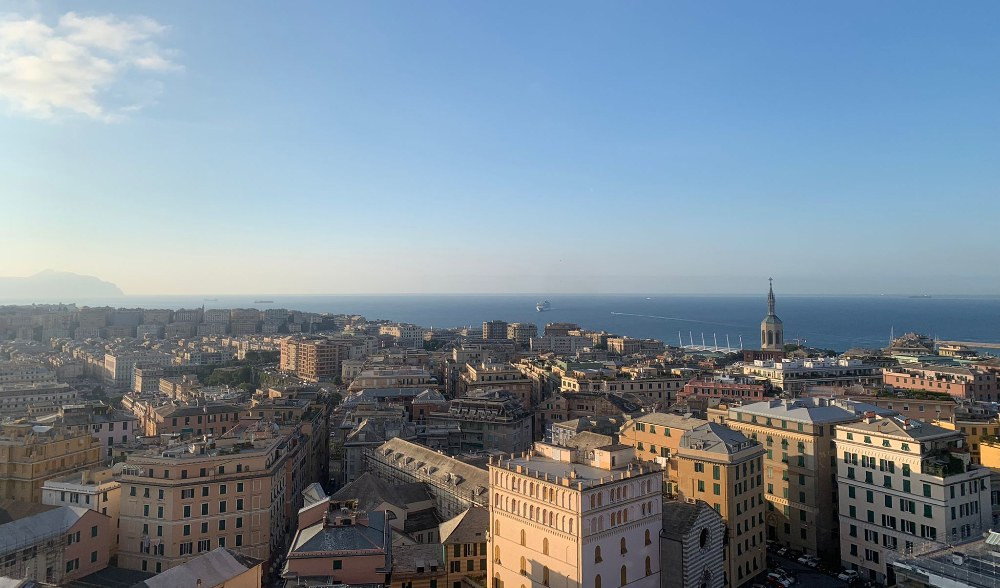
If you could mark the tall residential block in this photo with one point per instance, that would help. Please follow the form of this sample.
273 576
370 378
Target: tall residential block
574 516
906 487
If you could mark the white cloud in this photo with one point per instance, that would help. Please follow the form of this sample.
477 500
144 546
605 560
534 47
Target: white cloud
97 66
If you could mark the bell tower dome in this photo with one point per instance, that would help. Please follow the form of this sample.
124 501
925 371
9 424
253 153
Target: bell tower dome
772 336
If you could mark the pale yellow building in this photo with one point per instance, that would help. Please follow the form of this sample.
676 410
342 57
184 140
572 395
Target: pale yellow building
724 468
569 517
30 455
656 437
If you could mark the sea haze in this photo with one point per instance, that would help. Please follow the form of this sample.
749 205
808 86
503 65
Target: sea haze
820 321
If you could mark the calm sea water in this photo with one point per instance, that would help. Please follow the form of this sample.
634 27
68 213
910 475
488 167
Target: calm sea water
827 322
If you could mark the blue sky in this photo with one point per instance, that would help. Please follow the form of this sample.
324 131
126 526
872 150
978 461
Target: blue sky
504 147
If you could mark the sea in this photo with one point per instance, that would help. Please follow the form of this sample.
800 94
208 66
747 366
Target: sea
826 322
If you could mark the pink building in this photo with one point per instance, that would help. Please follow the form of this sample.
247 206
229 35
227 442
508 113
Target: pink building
54 544
726 388
337 544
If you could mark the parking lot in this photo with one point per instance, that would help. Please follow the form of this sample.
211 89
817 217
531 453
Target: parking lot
804 575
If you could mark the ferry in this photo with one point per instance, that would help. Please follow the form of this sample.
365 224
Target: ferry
543 306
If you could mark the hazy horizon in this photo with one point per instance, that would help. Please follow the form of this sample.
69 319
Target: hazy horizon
444 147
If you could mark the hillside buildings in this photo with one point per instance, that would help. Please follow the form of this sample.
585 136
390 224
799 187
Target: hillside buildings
796 376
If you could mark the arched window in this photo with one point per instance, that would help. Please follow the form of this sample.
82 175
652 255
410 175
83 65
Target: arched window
593 501
545 575
496 554
497 582
545 546
624 548
648 540
524 567
770 337
624 574
597 581
763 337
626 515
523 538
571 525
597 555
496 528
649 566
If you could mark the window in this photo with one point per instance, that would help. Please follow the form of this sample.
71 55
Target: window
338 564
204 509
648 541
93 531
624 576
545 547
623 546
187 511
928 511
597 555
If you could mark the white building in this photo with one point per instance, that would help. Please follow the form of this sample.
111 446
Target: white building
96 490
798 375
902 485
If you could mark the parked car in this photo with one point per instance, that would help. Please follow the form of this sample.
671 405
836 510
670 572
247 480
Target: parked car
810 560
784 572
782 551
785 576
848 576
777 581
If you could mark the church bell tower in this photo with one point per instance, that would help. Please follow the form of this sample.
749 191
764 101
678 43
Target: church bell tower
772 336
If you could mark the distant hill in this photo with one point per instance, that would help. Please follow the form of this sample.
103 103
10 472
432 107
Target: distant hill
51 285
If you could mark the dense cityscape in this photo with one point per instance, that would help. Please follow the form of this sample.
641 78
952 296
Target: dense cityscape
248 447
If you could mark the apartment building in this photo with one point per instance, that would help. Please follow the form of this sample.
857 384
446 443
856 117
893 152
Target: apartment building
186 419
724 468
656 437
725 388
94 489
53 544
961 382
394 377
796 376
404 335
17 399
563 407
119 365
799 471
489 419
491 374
464 539
30 455
317 358
493 330
187 499
23 372
454 485
522 333
905 484
574 516
559 344
337 544
657 390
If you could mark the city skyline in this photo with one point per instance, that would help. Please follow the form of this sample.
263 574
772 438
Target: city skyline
392 148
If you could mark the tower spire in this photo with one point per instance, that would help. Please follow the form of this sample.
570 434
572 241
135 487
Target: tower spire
770 296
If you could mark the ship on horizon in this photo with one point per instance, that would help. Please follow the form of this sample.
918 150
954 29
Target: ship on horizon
543 306
263 301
